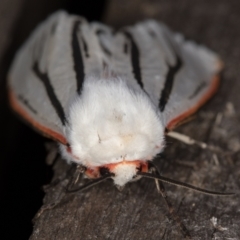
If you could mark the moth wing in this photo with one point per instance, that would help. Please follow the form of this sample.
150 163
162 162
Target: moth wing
178 75
48 72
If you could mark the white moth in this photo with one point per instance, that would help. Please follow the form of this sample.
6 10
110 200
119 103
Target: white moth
109 97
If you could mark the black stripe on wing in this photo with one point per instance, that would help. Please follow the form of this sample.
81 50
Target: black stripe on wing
170 77
77 57
172 71
43 77
135 58
85 47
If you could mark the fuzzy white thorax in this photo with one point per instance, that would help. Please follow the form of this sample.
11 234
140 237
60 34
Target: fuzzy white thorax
109 123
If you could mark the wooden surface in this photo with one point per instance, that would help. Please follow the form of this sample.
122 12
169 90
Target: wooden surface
138 212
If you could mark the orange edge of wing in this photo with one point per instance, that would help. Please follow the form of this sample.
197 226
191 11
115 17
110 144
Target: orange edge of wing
47 132
56 136
212 89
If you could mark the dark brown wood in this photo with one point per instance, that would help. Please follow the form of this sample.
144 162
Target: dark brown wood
139 212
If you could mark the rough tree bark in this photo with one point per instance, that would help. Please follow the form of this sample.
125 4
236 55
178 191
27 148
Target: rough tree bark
138 212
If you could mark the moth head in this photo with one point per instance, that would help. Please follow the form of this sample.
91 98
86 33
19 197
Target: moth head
111 123
121 173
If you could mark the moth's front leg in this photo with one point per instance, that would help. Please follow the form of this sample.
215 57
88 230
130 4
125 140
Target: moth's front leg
72 174
190 141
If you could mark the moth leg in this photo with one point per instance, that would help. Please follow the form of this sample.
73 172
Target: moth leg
52 153
74 179
60 179
173 213
190 141
52 157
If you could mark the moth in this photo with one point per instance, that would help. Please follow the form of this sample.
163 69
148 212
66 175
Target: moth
108 98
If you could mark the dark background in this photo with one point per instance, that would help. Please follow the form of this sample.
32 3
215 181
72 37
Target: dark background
23 170
137 212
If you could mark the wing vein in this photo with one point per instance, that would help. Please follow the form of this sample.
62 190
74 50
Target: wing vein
43 77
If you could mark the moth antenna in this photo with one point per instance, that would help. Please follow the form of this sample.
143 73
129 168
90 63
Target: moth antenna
184 185
88 185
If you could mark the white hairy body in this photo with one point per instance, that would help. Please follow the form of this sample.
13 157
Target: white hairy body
111 123
115 118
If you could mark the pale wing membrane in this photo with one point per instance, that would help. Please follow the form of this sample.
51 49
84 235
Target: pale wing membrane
176 74
30 79
123 56
49 71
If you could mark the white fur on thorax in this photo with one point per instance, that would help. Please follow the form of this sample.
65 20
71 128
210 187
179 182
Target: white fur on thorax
109 123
